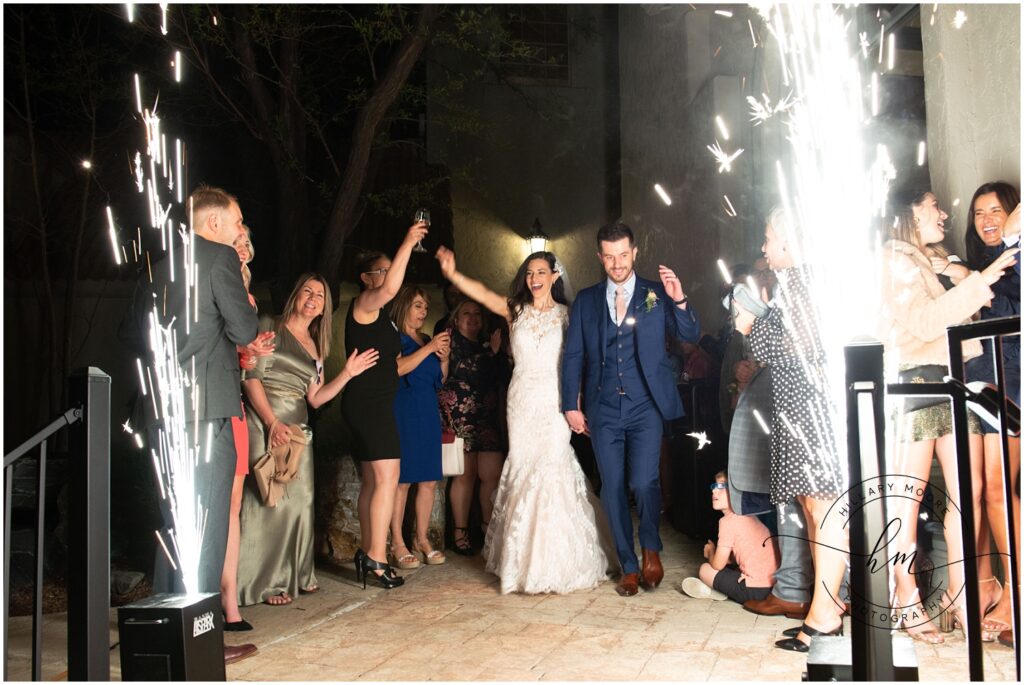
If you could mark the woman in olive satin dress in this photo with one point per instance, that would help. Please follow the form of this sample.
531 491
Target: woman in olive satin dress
276 556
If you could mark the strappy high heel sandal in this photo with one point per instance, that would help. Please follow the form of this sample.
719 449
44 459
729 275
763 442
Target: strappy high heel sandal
462 544
387 577
407 561
992 625
924 629
431 558
793 644
957 616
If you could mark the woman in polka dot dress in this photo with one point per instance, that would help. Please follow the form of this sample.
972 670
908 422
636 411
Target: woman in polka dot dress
805 459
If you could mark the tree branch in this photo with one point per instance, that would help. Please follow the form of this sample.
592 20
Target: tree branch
370 117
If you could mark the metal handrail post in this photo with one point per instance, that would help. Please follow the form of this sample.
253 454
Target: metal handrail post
870 645
1011 520
89 539
37 597
994 329
975 661
8 493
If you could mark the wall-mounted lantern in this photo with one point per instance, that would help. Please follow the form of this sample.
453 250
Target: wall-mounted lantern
537 240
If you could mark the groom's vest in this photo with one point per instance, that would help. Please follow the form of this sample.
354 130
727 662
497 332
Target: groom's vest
621 370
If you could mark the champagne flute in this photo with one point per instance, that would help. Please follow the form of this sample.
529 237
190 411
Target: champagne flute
422 214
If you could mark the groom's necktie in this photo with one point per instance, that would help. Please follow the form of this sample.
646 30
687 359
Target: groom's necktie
620 305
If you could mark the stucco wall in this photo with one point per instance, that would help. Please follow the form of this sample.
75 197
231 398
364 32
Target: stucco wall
972 91
680 68
541 155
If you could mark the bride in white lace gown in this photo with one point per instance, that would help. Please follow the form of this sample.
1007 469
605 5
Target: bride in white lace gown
547 532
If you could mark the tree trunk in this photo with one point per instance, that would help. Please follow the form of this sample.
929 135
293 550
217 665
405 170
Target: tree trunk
282 126
48 313
368 123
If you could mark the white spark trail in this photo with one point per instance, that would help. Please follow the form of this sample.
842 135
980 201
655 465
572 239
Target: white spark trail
720 123
177 452
730 210
726 276
662 194
722 158
828 166
113 235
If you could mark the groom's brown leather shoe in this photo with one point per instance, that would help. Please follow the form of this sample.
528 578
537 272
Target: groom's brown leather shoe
651 572
627 586
233 653
773 606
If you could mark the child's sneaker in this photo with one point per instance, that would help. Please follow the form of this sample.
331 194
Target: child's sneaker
695 587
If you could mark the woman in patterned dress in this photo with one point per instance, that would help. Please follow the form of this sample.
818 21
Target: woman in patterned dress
471 406
805 461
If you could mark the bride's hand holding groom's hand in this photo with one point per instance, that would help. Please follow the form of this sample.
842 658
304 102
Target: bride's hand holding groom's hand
577 422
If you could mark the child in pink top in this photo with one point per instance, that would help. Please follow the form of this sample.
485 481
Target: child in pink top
745 540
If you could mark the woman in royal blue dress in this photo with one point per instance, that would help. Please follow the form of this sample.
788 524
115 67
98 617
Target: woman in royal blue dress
422 369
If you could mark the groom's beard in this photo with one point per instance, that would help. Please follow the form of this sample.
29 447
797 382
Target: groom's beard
622 279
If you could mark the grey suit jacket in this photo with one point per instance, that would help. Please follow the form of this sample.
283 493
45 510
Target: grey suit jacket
749 446
225 319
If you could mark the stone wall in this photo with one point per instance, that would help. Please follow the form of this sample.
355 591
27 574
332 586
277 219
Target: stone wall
972 91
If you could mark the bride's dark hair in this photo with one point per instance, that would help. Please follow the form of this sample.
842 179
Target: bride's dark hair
520 295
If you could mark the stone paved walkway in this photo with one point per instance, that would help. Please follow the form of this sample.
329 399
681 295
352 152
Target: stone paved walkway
450 623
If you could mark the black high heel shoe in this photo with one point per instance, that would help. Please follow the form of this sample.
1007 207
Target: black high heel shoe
236 626
462 544
793 644
387 577
358 561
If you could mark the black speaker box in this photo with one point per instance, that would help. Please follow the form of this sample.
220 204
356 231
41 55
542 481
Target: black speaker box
831 659
172 637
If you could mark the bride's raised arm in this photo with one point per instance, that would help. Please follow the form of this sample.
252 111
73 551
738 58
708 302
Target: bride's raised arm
475 290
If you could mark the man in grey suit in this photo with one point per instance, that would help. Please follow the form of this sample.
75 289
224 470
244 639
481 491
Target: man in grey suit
206 348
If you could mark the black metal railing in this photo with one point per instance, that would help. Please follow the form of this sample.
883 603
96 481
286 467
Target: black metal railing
994 330
872 650
88 525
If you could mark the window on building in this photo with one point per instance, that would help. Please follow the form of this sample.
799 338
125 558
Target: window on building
542 32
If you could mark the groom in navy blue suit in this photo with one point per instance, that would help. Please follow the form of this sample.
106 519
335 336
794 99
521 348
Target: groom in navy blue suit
618 387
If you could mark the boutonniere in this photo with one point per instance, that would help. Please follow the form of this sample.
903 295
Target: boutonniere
651 301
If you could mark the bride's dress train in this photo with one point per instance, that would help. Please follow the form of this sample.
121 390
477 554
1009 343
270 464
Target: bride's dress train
548 532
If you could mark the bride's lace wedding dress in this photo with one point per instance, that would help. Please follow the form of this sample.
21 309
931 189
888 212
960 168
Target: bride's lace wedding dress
548 532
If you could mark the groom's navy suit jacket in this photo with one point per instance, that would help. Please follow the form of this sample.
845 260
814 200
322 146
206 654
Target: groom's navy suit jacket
590 326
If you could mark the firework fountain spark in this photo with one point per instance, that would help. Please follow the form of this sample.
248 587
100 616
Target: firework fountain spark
174 394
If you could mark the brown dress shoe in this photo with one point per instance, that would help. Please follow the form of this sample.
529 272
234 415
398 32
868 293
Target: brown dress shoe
773 606
627 586
1006 638
233 653
651 572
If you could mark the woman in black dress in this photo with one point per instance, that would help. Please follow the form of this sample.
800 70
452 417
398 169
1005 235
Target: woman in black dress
368 404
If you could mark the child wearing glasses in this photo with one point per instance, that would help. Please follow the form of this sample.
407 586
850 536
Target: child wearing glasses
742 539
